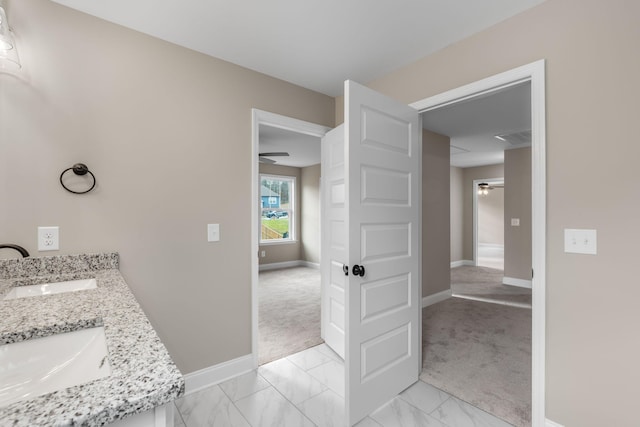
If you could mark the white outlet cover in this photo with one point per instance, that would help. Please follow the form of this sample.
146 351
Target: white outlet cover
48 238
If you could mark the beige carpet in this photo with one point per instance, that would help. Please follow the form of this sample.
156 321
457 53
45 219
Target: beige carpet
288 312
485 283
480 353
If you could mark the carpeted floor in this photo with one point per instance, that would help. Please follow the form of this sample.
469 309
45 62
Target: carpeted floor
485 284
480 353
288 312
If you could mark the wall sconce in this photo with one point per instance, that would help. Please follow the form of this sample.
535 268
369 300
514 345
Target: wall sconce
9 59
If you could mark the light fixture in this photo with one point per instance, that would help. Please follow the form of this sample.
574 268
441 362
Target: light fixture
9 60
483 189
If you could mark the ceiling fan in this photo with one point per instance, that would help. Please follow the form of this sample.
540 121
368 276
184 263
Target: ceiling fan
483 188
263 157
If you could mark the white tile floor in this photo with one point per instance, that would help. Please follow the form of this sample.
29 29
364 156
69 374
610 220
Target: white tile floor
307 389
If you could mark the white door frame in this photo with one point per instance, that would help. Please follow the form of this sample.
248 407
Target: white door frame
260 117
534 73
475 212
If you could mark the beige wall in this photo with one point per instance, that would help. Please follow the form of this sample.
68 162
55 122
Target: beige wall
491 217
456 176
469 175
436 237
167 132
592 90
310 214
290 251
517 190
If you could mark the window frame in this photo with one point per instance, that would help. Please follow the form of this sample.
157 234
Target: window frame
291 210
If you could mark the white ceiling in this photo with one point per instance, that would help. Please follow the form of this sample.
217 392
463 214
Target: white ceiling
314 44
304 150
472 125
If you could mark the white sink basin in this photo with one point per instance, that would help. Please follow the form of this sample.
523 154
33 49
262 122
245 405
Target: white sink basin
50 288
39 366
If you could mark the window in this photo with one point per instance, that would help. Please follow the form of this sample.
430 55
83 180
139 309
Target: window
277 202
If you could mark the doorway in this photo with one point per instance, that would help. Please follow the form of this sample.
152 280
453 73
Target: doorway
533 73
488 223
277 233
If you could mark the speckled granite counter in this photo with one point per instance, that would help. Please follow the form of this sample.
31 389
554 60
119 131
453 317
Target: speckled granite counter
143 374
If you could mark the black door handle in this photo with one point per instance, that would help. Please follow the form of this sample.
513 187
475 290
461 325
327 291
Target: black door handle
358 270
345 269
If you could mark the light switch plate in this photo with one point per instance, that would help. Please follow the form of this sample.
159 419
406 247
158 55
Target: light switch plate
48 238
579 241
213 232
515 222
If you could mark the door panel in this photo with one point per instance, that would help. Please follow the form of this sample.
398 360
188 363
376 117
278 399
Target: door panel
333 240
383 207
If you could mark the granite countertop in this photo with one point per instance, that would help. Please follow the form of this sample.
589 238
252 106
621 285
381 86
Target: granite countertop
143 374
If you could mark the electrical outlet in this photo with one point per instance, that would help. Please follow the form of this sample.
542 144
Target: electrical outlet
48 238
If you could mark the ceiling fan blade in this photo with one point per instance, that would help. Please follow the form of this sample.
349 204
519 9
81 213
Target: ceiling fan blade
274 154
265 160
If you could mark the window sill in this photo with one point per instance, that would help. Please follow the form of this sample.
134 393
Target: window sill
278 242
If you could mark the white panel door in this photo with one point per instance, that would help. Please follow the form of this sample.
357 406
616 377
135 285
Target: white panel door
333 242
383 155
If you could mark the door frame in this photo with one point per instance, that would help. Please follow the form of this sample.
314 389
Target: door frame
260 117
475 212
534 73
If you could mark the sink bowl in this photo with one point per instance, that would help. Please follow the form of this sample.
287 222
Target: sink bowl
39 366
50 288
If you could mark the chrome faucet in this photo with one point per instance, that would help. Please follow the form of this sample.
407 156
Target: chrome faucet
20 249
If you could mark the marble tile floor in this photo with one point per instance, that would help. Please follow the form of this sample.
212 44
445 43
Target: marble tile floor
307 389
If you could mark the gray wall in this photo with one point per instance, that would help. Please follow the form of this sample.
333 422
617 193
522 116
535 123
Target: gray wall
289 251
491 217
469 175
592 91
456 176
310 214
436 236
517 188
167 131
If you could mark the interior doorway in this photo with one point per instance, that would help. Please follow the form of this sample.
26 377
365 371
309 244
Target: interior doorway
488 223
532 74
285 273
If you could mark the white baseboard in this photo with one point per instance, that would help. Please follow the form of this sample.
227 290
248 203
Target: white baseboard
460 263
216 374
512 281
491 245
435 298
288 264
549 423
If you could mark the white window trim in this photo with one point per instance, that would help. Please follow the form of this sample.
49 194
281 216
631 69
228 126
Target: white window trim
292 210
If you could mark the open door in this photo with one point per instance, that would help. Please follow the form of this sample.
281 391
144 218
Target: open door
383 183
333 257
371 243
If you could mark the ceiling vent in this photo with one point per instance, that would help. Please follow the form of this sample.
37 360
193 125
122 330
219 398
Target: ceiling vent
516 138
453 150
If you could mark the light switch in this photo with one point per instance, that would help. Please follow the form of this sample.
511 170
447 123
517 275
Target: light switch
580 241
515 222
213 232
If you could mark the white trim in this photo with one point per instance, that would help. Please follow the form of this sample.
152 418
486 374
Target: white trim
493 301
491 245
550 423
474 193
535 73
436 298
512 281
259 117
288 264
198 380
455 264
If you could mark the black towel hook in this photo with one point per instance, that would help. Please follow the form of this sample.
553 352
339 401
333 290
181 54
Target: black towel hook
79 169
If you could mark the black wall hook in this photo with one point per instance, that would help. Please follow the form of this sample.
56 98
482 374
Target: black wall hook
79 169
